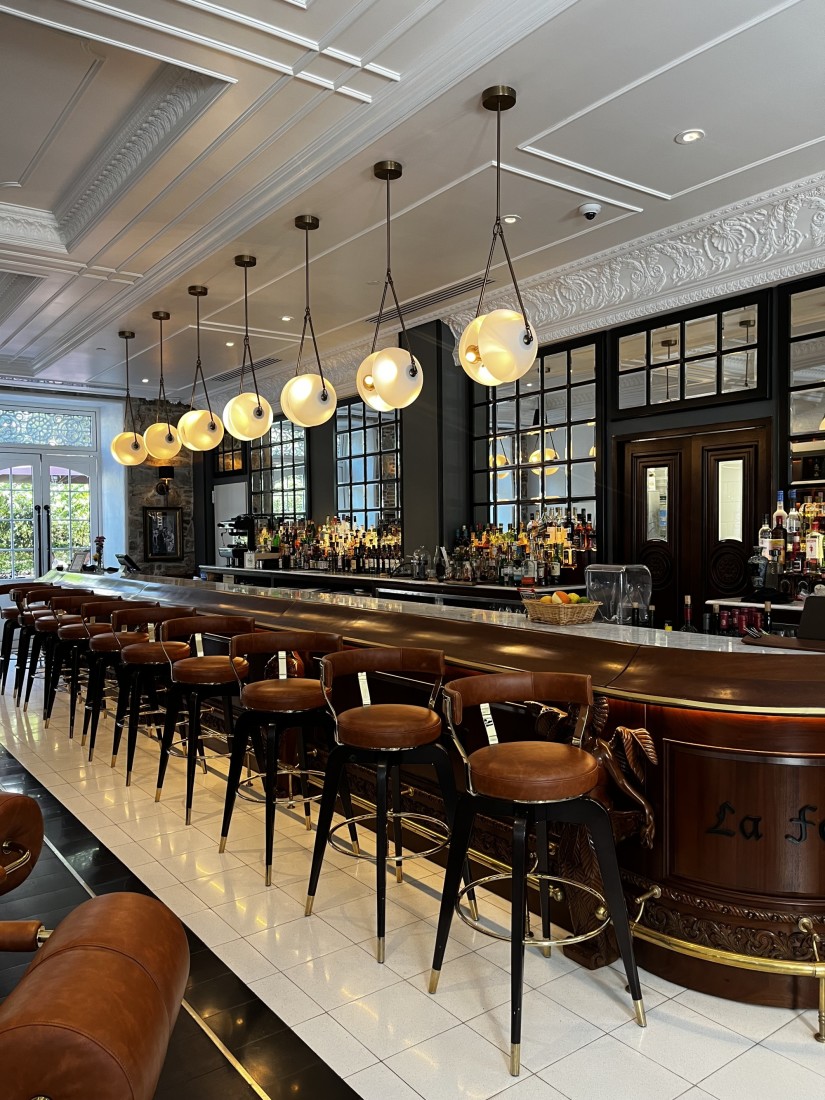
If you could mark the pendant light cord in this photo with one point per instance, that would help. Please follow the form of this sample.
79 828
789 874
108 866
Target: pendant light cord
198 367
162 386
388 282
498 232
129 409
324 395
247 352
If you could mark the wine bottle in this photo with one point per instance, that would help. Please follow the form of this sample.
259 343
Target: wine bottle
764 537
766 617
714 617
687 626
651 615
779 540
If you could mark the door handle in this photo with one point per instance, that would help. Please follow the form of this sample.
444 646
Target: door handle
48 511
39 522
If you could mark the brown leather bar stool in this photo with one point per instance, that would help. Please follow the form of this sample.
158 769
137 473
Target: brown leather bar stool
65 611
387 735
30 604
199 677
140 671
531 782
279 695
10 617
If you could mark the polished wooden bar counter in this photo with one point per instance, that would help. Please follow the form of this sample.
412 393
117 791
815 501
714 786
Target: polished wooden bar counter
724 834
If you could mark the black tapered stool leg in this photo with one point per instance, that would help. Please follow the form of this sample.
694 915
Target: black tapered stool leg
22 662
397 824
601 832
94 693
135 695
381 779
349 812
240 742
174 701
518 922
465 815
34 657
60 654
543 865
74 687
124 679
332 779
273 745
303 778
193 749
440 760
9 627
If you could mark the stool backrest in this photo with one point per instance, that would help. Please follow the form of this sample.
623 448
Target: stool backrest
37 596
194 627
265 644
571 689
68 603
362 664
126 618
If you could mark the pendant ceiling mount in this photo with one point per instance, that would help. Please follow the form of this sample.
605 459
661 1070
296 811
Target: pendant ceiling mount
128 447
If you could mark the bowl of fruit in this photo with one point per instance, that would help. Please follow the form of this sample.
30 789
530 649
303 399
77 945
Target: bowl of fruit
561 608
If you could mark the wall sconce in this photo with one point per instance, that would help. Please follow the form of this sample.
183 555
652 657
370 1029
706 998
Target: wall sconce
165 475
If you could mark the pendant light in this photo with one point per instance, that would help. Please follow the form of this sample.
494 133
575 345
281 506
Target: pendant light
128 447
499 346
247 415
199 429
391 378
498 460
161 439
308 399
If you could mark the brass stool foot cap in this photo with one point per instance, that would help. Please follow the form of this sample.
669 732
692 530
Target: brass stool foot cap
433 983
473 908
158 792
309 904
547 951
83 741
515 1059
128 779
269 875
639 1009
308 823
25 707
113 761
91 755
399 874
380 949
46 723
222 845
188 816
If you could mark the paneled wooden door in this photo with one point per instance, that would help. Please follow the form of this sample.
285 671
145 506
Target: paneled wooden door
690 508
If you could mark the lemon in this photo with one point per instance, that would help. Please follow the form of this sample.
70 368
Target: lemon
574 597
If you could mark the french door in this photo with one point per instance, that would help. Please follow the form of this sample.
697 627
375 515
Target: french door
48 510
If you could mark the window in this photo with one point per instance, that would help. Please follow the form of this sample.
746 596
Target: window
279 477
368 464
710 355
35 428
534 440
807 361
229 457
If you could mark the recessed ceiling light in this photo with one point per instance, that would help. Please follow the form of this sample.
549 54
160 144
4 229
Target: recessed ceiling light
286 318
144 379
529 385
687 137
511 219
100 349
230 343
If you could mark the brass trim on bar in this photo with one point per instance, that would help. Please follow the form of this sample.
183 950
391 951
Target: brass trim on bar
793 967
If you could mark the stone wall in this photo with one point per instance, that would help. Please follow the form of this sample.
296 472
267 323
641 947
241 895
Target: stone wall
142 484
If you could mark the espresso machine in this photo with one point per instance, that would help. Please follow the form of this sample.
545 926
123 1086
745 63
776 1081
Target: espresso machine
237 538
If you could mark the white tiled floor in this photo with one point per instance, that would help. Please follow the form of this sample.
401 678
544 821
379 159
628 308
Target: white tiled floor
376 1025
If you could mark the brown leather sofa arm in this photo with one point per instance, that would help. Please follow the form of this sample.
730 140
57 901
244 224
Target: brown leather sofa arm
21 838
20 935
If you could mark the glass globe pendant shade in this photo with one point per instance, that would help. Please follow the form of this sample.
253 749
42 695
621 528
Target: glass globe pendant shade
128 449
501 344
162 440
303 401
469 355
247 416
538 457
365 384
397 376
200 431
496 461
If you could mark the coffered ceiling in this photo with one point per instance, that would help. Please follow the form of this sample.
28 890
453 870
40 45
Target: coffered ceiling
144 144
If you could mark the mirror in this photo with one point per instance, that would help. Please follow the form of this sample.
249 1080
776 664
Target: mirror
656 504
730 494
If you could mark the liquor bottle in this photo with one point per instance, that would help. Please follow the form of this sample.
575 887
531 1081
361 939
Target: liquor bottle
714 617
724 622
651 615
687 626
764 537
766 617
793 524
779 539
780 508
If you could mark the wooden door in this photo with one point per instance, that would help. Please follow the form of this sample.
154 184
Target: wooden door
691 508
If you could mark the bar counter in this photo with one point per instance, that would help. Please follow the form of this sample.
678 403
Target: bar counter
733 808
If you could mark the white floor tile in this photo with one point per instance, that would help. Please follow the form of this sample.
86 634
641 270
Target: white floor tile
176 840
209 926
221 887
341 976
683 1041
435 1072
468 986
378 1082
200 863
548 1030
334 888
132 853
298 941
409 949
796 1041
653 981
335 1045
753 1021
256 912
155 876
110 835
285 999
530 1088
599 996
180 900
243 960
608 1068
357 919
394 1019
538 970
761 1074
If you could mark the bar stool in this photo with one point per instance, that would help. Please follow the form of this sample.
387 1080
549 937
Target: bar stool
387 735
199 677
30 604
141 666
65 610
280 697
532 782
10 617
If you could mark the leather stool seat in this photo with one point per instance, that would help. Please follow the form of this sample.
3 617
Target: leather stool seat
78 631
10 613
154 653
388 726
209 670
533 771
113 643
283 695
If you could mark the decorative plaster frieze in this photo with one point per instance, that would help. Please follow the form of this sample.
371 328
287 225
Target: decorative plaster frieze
172 101
776 235
25 225
14 289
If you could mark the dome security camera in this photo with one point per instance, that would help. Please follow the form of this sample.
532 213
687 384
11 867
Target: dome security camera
590 210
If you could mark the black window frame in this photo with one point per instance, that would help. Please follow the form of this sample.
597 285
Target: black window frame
263 498
350 419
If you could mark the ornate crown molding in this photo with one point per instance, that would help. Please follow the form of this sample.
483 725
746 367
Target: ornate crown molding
14 289
777 235
173 100
25 225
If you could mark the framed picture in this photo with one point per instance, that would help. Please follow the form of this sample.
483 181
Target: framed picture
163 534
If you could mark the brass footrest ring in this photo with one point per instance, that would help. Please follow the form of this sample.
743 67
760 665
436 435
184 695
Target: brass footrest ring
433 822
289 800
534 941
